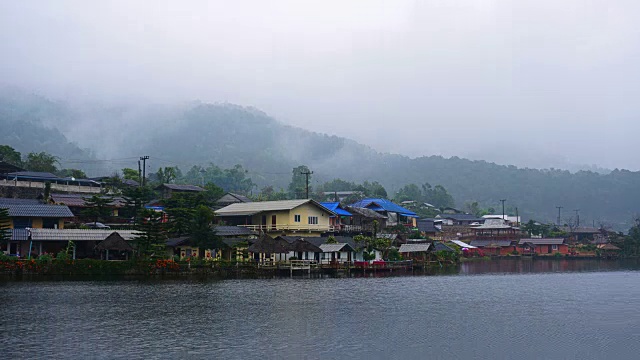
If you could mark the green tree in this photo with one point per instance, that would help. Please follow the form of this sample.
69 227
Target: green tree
135 199
437 196
298 184
10 155
180 210
167 174
5 222
74 173
374 189
150 240
409 192
212 192
203 235
130 174
42 162
98 207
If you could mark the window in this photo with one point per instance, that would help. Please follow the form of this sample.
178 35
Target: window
313 220
21 222
296 218
554 247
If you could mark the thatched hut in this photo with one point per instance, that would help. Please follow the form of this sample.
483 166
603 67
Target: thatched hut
266 248
304 250
115 244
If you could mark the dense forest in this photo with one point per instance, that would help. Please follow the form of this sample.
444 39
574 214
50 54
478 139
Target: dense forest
225 135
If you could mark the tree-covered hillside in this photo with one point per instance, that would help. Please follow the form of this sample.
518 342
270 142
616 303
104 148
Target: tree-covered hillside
26 124
226 135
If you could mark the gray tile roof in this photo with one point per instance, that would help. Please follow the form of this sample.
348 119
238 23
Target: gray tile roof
34 208
409 248
11 201
233 231
550 241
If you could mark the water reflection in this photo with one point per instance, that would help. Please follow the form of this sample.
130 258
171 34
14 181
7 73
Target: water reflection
547 313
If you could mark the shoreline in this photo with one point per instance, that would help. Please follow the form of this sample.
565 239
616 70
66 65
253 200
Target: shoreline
84 270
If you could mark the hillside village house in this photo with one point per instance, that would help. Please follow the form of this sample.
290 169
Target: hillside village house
36 241
459 219
77 203
282 217
342 216
32 213
231 198
34 179
395 213
543 246
167 190
232 238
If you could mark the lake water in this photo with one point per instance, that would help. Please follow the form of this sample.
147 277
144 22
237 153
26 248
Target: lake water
498 310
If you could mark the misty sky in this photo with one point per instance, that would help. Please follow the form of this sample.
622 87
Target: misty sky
538 83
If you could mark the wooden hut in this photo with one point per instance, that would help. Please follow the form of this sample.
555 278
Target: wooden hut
116 245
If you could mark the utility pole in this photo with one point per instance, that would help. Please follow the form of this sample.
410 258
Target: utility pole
144 168
559 209
577 217
502 201
306 174
517 218
139 174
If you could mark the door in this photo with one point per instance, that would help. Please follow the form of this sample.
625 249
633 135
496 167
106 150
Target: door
264 222
549 249
273 222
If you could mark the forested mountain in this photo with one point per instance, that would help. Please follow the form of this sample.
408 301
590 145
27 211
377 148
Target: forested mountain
26 124
226 135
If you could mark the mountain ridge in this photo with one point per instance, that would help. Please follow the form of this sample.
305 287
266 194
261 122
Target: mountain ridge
227 134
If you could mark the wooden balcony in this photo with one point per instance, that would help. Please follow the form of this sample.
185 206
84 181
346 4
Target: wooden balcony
291 227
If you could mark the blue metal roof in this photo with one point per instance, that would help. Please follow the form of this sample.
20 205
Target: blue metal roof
335 207
384 205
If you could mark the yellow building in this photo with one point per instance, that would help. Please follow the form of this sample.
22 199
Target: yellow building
285 217
32 213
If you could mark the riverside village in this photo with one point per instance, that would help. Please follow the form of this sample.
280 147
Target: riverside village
60 222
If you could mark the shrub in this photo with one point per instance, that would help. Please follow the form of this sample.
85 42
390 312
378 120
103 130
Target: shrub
62 255
557 255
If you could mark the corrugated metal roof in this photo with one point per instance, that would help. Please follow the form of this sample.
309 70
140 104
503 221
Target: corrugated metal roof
181 187
460 217
409 248
486 242
78 234
493 224
335 207
550 241
242 209
383 205
329 248
463 244
34 175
